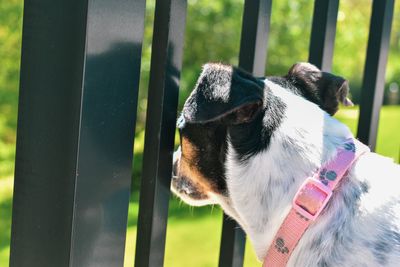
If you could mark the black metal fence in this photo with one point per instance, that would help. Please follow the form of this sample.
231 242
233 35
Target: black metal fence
78 97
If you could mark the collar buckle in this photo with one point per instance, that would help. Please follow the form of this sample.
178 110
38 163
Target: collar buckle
311 198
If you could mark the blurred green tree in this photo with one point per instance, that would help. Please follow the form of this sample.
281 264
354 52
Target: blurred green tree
10 50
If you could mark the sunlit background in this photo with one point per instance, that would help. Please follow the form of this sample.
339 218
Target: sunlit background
212 34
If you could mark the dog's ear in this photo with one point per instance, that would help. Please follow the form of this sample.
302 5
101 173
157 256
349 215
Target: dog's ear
323 88
224 93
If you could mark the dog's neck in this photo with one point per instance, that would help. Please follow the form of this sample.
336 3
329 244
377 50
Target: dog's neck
262 187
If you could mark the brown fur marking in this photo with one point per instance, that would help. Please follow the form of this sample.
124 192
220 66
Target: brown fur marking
188 167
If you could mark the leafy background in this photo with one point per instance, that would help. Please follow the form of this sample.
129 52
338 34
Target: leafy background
212 34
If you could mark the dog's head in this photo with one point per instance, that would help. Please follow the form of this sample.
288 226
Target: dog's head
230 107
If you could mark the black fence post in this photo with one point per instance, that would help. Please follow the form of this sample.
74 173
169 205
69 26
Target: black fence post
323 33
233 242
252 57
166 61
77 107
374 71
254 39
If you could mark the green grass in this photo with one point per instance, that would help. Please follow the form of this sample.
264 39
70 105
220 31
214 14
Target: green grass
193 234
388 142
6 189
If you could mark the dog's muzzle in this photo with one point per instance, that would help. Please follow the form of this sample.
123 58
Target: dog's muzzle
182 185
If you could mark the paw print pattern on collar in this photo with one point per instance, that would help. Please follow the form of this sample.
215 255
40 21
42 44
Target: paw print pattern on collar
325 176
350 147
280 245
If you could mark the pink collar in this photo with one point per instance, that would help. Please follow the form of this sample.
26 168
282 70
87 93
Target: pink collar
309 201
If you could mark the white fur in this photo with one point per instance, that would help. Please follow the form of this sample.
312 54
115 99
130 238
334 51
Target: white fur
261 190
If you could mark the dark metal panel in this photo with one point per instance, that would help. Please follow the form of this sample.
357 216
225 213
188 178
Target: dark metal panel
252 57
233 243
254 39
323 33
166 61
53 43
109 101
374 71
79 80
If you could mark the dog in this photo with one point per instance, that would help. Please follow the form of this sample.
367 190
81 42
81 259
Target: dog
248 143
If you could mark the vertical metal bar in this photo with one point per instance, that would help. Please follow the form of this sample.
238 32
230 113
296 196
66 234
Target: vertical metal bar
323 33
233 242
78 92
47 133
252 57
254 39
374 71
166 61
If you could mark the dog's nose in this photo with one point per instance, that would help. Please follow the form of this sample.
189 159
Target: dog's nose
176 158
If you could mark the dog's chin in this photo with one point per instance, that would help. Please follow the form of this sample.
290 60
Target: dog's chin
194 202
189 194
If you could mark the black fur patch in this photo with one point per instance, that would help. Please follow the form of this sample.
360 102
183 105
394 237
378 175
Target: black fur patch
221 92
328 100
251 138
322 88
